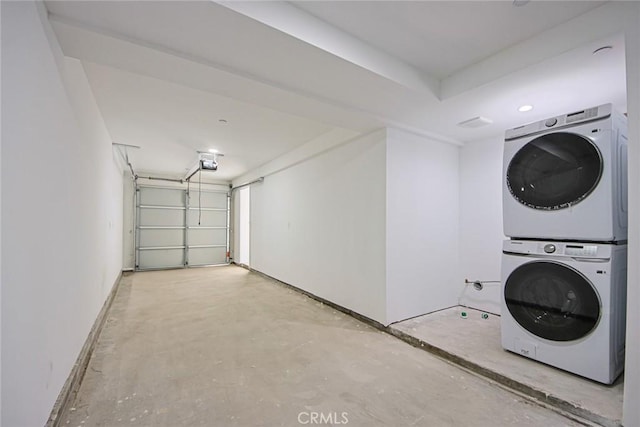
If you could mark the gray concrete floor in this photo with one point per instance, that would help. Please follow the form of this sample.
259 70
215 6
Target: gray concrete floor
478 340
225 347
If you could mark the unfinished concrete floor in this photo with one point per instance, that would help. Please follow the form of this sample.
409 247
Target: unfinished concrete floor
226 347
477 340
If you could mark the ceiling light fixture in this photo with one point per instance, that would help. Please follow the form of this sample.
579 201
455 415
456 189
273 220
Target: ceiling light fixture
213 150
525 108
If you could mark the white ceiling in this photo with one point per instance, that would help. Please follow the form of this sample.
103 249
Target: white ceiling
441 38
174 117
283 74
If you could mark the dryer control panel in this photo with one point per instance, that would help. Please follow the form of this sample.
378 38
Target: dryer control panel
587 115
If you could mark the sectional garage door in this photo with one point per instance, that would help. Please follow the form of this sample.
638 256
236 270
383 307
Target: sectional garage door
179 228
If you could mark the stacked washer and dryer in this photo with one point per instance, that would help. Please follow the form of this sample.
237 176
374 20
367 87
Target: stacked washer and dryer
564 268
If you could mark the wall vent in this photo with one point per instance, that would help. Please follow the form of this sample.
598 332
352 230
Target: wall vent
475 122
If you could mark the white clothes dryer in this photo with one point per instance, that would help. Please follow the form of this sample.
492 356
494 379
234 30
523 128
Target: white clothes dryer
564 304
565 178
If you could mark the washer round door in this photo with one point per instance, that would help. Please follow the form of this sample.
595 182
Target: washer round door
552 301
554 171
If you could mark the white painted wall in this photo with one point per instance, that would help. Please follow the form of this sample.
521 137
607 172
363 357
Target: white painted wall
234 233
631 413
310 149
128 221
244 238
241 226
422 225
0 227
62 236
481 234
371 225
319 225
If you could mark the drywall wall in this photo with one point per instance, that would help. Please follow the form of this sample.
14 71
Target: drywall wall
0 228
242 230
371 225
481 222
319 225
62 237
128 221
631 412
306 151
422 225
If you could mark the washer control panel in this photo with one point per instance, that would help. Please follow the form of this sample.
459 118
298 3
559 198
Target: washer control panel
581 250
568 249
557 249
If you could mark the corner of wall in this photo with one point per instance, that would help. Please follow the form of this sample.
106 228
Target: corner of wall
631 409
54 45
422 184
1 230
481 221
317 146
128 221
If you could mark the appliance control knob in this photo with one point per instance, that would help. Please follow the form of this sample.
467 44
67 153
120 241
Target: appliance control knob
549 248
551 122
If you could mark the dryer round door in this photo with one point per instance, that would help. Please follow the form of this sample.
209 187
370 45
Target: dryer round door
552 301
554 171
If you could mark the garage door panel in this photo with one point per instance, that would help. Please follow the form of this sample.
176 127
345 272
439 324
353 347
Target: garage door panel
207 256
161 237
161 217
162 232
208 199
149 196
207 236
207 218
161 258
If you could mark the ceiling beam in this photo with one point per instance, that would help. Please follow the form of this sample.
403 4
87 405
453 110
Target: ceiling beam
114 50
297 23
92 45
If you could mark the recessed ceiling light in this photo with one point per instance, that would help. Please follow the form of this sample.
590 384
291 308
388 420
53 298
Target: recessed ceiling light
603 49
525 108
213 150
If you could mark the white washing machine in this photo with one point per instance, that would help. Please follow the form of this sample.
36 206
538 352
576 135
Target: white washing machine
564 304
565 178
